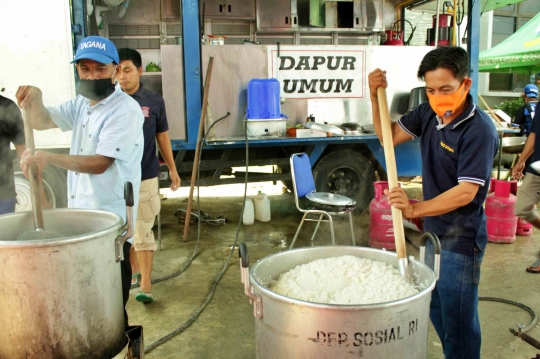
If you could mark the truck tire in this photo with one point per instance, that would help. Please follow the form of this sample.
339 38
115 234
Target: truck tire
348 173
54 184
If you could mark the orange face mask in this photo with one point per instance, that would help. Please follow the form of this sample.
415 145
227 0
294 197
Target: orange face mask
446 105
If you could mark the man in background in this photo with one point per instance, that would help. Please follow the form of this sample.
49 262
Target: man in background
155 129
527 196
11 131
525 114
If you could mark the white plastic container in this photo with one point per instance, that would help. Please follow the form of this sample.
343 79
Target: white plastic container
249 213
266 128
262 207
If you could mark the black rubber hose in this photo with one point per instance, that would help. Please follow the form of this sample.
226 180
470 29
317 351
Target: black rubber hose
517 304
524 329
195 252
225 266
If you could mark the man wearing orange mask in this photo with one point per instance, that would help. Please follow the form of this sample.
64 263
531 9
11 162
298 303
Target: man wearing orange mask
458 142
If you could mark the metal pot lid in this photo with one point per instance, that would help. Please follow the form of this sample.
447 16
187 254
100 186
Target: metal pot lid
355 133
351 126
333 199
324 127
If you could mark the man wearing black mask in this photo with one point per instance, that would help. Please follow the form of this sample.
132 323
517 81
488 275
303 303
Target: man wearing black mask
107 143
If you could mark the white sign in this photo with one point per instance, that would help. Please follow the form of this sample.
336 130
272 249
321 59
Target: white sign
319 73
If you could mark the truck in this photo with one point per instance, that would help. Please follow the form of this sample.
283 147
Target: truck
320 52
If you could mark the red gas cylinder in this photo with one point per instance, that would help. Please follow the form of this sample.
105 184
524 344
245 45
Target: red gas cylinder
501 220
524 228
381 227
394 38
445 20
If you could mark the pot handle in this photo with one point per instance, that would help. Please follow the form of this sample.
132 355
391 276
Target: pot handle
243 254
437 249
254 299
126 231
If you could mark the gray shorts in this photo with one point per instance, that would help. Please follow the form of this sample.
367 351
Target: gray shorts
528 197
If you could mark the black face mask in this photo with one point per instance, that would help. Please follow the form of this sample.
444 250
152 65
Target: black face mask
96 90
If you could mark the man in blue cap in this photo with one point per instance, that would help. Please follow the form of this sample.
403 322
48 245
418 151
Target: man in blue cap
526 112
107 143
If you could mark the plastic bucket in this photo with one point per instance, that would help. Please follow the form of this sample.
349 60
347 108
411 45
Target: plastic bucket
263 99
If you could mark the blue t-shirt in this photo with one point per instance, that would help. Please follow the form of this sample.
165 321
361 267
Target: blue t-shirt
461 151
535 128
155 121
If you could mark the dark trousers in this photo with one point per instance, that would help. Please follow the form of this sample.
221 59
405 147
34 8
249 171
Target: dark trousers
454 303
125 268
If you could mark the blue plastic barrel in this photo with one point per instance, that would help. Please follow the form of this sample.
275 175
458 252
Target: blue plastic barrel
263 99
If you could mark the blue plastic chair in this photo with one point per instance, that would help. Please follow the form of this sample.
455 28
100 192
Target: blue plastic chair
304 186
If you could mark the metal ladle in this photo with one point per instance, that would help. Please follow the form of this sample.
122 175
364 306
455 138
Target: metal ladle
35 185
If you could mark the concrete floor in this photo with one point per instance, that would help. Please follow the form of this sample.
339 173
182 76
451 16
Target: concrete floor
225 329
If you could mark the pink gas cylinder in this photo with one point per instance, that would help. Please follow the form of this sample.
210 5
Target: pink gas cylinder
501 220
381 227
381 230
524 228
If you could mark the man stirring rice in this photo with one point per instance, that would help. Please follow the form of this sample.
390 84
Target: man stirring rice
458 142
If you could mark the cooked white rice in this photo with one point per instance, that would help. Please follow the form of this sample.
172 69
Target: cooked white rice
344 280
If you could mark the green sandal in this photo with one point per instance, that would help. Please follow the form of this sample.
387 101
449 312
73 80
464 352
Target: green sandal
135 279
145 297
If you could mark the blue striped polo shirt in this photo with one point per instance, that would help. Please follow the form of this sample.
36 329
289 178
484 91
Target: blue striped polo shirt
460 151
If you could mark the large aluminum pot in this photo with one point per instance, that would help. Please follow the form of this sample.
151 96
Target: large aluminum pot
61 298
287 328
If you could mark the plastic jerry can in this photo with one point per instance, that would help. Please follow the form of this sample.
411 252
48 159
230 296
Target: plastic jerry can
249 213
262 207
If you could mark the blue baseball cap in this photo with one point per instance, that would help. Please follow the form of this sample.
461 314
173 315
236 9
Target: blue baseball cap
531 90
97 48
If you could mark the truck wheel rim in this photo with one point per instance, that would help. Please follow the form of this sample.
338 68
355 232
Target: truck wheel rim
343 181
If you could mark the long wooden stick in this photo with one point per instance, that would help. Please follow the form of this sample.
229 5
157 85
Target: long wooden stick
33 173
493 115
198 148
391 170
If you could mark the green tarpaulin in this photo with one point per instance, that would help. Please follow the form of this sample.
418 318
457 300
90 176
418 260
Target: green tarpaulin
521 51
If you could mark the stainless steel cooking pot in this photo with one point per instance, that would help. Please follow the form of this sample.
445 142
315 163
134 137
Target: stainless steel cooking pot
288 328
62 298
